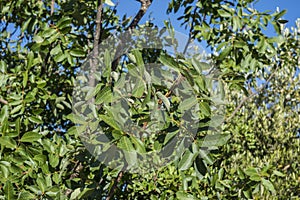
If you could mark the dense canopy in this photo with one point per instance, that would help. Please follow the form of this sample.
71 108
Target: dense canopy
78 82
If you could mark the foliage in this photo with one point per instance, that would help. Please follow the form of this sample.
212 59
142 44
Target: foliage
42 155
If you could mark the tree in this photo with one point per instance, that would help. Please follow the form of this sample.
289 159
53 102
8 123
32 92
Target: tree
43 154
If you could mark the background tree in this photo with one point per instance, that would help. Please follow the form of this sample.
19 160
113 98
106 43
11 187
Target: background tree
43 45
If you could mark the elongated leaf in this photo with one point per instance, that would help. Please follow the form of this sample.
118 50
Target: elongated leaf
64 22
104 96
205 156
200 167
224 13
76 119
139 145
280 14
215 140
41 183
35 120
186 161
25 78
50 31
184 196
168 61
38 39
109 2
125 144
77 53
110 121
268 185
164 99
187 104
31 137
205 109
9 191
139 59
7 142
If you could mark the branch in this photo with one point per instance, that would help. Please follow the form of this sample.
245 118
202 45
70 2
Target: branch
96 42
191 30
251 96
52 7
191 37
114 187
145 4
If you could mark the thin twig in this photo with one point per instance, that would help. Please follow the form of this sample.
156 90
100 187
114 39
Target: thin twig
52 7
191 31
180 77
145 4
3 101
251 96
117 180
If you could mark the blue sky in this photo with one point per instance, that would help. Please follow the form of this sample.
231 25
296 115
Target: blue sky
157 11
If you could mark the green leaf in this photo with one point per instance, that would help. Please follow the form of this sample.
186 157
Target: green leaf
77 53
125 144
282 21
187 104
53 160
111 122
200 167
16 109
168 61
75 193
107 60
225 52
139 59
31 137
38 39
60 57
64 22
133 70
206 156
109 2
205 109
164 99
30 58
184 196
215 140
35 120
268 185
25 78
25 195
224 13
41 183
280 14
104 96
252 173
9 190
187 160
41 83
25 24
236 23
278 173
138 89
56 50
50 31
138 144
76 119
8 142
